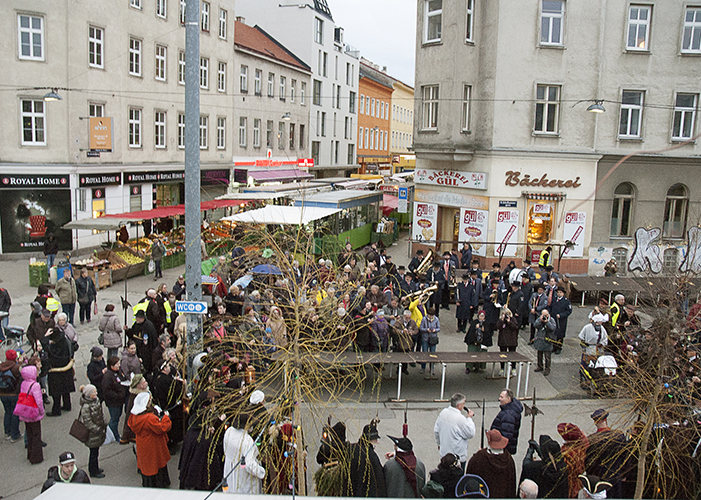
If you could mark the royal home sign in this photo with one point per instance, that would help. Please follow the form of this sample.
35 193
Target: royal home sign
19 181
471 180
99 180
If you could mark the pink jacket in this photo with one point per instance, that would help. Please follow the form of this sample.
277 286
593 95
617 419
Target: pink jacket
29 379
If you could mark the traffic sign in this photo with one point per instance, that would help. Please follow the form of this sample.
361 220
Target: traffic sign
190 307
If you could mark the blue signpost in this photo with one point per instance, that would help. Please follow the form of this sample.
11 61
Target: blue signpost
190 307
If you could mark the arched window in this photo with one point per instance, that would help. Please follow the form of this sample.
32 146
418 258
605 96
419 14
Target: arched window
621 215
675 211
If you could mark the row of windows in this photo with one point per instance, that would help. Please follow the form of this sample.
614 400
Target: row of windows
322 68
286 134
372 138
334 152
552 25
31 36
548 108
374 107
401 140
317 92
284 92
676 211
321 125
402 115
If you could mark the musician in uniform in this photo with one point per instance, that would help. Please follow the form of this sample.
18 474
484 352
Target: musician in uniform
449 271
436 276
463 302
416 260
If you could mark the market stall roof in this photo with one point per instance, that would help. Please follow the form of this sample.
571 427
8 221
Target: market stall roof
222 203
389 204
100 224
154 213
339 199
278 175
605 284
275 214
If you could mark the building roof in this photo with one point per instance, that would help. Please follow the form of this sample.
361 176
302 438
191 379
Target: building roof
377 76
323 8
255 39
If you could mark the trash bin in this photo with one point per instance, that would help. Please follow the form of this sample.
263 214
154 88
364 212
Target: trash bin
60 267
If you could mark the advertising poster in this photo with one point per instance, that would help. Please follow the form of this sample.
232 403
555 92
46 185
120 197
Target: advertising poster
27 217
425 221
506 232
101 134
573 230
473 229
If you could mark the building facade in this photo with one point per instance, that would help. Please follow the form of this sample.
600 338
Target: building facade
309 31
507 154
375 89
401 146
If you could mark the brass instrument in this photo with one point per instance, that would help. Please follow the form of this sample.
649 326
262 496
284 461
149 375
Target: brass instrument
425 265
418 293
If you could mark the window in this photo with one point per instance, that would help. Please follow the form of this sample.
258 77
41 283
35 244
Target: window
429 96
335 152
348 73
623 197
257 82
325 64
134 57
243 124
221 77
281 135
302 93
631 114
204 17
318 30
283 88
271 84
256 133
684 116
269 134
323 124
134 128
372 107
159 129
361 108
547 109
433 20
621 255
675 212
135 3
316 147
691 41
292 135
243 81
181 67
96 38
470 20
301 136
345 128
384 147
222 24
367 139
221 132
551 22
161 52
638 27
182 12
350 129
204 125
465 115
360 137
181 130
351 154
316 99
351 102
96 110
204 72
371 144
338 96
161 8
33 122
293 89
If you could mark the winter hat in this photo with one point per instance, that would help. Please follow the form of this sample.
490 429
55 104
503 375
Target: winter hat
96 352
140 403
598 318
88 390
10 355
136 380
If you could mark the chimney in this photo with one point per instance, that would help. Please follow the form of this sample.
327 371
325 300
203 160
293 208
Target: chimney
241 19
384 69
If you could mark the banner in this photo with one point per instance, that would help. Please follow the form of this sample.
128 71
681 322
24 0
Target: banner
425 223
471 180
573 230
506 231
101 134
473 229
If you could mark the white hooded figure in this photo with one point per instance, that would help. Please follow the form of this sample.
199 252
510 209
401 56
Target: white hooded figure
246 478
593 336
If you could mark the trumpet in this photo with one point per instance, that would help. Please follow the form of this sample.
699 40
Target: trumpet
419 293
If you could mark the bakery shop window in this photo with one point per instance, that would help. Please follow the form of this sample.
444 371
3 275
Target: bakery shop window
540 220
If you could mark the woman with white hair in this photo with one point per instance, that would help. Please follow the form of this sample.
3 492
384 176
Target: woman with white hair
67 329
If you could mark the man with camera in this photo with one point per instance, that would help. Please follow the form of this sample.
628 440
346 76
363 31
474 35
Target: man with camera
544 339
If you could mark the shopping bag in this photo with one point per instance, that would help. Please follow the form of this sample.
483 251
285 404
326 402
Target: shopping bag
109 437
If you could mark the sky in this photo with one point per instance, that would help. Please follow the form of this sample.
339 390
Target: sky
383 30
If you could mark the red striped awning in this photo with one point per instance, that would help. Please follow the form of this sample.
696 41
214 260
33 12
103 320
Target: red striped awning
543 196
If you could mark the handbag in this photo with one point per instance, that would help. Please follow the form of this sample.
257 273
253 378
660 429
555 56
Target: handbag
101 339
79 431
26 406
94 307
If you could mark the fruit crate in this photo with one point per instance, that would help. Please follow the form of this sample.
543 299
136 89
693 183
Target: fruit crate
101 276
136 263
119 268
38 274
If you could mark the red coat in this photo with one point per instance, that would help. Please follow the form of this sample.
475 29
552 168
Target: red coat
574 450
151 442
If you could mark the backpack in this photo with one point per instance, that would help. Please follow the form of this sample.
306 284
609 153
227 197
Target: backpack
8 381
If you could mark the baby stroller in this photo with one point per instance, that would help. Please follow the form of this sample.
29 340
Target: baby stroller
597 374
12 337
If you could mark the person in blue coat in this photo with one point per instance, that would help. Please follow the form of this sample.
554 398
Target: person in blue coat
508 420
560 309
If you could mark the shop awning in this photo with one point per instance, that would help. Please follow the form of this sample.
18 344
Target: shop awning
100 224
154 213
275 214
389 204
278 175
212 204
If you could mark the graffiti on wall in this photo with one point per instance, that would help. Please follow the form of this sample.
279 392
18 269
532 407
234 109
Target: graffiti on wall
692 257
646 251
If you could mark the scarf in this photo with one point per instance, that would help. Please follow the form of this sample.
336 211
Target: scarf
407 460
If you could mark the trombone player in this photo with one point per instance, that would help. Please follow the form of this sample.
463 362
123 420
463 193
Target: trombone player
436 276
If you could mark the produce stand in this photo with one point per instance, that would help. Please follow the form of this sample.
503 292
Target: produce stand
100 270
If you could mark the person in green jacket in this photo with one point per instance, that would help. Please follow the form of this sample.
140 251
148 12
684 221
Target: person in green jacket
92 417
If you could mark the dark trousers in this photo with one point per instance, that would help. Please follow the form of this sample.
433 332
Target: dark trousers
509 348
66 397
544 354
445 297
84 312
69 310
532 333
115 415
462 325
35 452
488 334
11 421
157 273
93 465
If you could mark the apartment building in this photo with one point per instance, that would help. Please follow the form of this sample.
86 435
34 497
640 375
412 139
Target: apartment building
375 89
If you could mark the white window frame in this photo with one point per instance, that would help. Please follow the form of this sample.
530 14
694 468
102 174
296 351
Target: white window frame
293 89
281 135
204 131
546 106
221 132
221 76
96 109
360 137
269 139
134 133
302 129
256 132
546 36
258 82
271 84
204 17
361 108
692 29
162 9
204 73
351 102
367 138
291 136
243 131
182 11
629 111
181 130
96 47
223 17
302 93
429 105
283 88
429 16
316 98
465 110
243 79
161 62
181 67
685 114
134 56
372 108
159 129
135 3
318 31
470 21
37 120
636 24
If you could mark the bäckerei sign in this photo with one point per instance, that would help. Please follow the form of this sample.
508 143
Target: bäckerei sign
472 180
